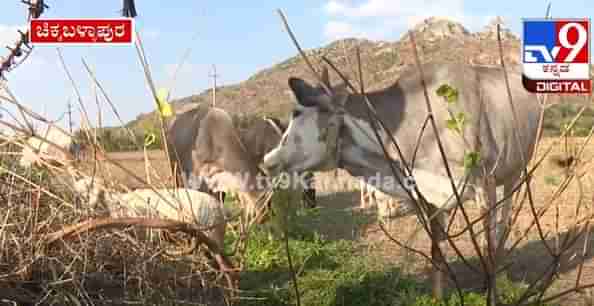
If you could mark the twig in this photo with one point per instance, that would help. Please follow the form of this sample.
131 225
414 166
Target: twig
74 86
147 73
13 100
290 261
22 47
518 140
181 63
111 104
305 58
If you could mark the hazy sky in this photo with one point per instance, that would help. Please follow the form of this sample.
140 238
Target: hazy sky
240 37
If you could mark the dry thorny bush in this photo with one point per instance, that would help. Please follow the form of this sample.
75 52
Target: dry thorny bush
100 267
117 266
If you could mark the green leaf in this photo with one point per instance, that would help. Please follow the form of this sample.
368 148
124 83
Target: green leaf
443 90
452 97
461 119
448 92
457 122
452 124
471 160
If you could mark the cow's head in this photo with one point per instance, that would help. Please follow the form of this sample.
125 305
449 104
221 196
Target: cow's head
311 139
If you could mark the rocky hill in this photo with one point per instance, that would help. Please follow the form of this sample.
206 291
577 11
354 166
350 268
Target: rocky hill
438 39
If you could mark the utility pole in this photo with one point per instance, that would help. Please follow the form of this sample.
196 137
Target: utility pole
214 76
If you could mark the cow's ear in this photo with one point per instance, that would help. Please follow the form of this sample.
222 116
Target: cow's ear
304 92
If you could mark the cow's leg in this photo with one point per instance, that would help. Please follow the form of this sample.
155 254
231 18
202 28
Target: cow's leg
197 182
382 208
312 195
437 227
309 192
362 188
504 227
368 199
489 189
220 195
309 198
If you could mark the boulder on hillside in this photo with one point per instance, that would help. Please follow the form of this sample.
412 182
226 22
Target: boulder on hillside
436 28
490 30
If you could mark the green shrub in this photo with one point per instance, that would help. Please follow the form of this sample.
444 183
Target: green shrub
557 117
337 272
118 139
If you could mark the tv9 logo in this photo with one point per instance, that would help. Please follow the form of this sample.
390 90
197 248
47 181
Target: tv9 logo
556 55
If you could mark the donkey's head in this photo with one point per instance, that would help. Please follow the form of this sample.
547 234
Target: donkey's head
311 139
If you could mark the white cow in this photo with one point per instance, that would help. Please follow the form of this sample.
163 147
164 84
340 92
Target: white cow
504 147
331 129
179 204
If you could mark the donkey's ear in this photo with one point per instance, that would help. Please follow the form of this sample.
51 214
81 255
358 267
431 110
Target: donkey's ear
304 92
326 77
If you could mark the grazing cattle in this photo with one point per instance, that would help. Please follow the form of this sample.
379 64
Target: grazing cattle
223 160
331 129
259 136
179 204
255 143
182 131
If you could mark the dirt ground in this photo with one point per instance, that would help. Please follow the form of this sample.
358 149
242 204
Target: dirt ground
527 262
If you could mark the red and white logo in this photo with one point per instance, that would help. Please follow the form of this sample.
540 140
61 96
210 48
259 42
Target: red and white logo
118 31
556 56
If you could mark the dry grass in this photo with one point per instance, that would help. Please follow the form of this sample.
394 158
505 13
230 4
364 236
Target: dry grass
113 267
